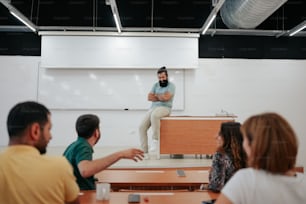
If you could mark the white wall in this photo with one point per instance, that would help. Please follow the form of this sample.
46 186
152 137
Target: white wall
18 82
242 87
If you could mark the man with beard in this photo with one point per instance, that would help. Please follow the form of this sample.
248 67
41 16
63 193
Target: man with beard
161 95
79 153
26 176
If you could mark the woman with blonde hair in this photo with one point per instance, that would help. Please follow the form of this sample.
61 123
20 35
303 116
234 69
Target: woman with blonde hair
271 146
229 156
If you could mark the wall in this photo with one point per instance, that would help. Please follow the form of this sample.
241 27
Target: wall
18 82
241 87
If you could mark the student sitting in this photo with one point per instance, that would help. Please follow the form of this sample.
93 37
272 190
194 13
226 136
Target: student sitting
271 146
229 156
27 176
80 152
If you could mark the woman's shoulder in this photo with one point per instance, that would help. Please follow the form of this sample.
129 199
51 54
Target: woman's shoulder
252 173
218 155
222 155
245 172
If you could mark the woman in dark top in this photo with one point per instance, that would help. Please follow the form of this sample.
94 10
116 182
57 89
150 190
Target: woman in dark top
229 156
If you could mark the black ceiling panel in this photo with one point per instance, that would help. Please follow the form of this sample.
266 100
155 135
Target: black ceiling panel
139 13
180 14
185 16
286 17
20 43
135 13
251 47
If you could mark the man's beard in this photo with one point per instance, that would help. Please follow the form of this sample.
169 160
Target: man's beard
163 83
41 144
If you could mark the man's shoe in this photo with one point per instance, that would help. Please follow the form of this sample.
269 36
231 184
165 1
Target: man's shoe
153 147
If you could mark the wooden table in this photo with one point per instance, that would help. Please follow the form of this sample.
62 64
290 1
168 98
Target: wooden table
153 179
190 134
156 197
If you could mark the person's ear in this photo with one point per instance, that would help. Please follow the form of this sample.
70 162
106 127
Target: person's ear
97 133
35 131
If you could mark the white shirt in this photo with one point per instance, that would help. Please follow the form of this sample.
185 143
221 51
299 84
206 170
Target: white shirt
250 186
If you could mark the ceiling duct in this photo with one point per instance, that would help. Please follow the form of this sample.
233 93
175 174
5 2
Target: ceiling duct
248 13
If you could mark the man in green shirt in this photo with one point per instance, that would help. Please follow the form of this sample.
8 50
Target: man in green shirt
79 153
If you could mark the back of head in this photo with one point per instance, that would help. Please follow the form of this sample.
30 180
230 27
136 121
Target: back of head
230 131
86 125
24 114
273 143
162 70
232 143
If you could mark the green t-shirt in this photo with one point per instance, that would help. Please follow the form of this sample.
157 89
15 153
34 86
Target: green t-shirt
76 152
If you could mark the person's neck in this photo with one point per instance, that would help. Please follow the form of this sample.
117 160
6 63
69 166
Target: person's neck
18 141
91 141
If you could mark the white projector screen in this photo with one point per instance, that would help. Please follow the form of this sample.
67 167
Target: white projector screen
118 52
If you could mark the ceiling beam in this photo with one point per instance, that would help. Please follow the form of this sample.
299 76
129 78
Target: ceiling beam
15 12
297 28
158 30
114 8
212 16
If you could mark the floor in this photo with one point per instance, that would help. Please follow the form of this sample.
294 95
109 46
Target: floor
164 162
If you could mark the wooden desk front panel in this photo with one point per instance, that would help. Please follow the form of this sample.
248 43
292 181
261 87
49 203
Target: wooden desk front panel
152 178
190 136
89 197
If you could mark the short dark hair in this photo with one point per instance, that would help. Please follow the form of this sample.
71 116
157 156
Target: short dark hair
86 125
162 69
24 114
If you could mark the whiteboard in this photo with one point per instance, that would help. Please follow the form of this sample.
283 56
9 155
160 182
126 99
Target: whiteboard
105 89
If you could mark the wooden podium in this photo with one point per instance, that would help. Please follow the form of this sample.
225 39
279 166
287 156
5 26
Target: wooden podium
190 134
